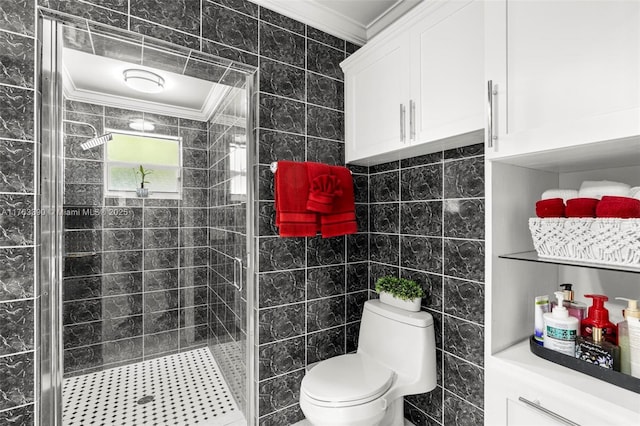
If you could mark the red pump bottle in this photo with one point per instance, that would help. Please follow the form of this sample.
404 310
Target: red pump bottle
598 316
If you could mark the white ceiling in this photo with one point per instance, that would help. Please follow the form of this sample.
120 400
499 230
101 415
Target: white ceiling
354 20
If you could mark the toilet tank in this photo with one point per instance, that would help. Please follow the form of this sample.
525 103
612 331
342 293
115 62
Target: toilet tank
401 340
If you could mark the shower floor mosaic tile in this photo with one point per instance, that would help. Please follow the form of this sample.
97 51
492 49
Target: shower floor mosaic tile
183 389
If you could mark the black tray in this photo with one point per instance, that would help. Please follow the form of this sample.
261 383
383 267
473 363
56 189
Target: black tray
614 377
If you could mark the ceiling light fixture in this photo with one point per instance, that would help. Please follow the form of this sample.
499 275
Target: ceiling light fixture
143 81
141 125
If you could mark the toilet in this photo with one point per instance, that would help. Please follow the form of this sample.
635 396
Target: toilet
396 356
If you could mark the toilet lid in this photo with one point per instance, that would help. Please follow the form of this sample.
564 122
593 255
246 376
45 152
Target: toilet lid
347 378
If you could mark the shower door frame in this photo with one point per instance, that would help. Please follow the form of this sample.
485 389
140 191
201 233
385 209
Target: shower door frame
50 227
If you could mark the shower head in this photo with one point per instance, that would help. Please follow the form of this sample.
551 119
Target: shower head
96 140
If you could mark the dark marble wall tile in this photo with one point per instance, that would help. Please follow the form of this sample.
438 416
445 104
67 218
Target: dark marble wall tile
88 11
288 416
325 123
160 259
384 187
325 38
229 52
325 313
464 339
17 384
429 402
384 248
282 45
16 273
275 146
358 247
279 392
325 281
282 114
421 183
229 27
16 327
324 60
464 178
16 113
123 261
464 218
283 80
355 304
357 276
325 151
281 322
17 60
156 322
19 416
421 218
421 252
464 259
279 288
465 151
459 412
464 299
278 254
183 15
325 344
164 33
385 218
325 251
18 16
325 91
282 357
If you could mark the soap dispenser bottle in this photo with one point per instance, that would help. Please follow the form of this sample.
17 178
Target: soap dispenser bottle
560 329
596 350
631 312
598 316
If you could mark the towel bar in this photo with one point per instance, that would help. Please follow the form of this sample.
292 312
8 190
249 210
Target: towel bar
274 166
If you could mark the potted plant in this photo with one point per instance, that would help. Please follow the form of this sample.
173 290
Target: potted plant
142 173
400 292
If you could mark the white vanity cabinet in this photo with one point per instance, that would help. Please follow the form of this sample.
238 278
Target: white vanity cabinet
564 73
417 83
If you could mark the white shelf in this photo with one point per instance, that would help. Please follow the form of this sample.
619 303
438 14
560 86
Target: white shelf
532 256
519 357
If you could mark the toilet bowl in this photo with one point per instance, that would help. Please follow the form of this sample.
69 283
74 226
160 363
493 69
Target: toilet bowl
346 390
395 357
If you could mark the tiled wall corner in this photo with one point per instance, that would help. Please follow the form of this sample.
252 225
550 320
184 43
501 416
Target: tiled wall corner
427 224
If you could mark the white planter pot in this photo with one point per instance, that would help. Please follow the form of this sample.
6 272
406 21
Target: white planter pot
412 305
142 192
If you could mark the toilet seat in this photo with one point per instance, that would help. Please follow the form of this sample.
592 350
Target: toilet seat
346 380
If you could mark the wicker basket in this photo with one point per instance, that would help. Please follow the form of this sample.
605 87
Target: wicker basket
608 241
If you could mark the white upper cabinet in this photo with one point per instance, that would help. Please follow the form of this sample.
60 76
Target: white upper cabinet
376 101
418 82
447 81
564 73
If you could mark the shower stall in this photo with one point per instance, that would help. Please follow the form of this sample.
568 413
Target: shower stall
147 266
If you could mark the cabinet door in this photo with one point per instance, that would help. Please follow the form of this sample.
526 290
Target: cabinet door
447 72
376 91
567 72
519 414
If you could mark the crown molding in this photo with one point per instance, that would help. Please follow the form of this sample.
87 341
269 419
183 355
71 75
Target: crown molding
320 17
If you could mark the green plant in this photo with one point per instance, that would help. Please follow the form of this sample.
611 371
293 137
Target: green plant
142 172
401 288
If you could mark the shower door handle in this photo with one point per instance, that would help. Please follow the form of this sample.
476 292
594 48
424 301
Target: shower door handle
237 279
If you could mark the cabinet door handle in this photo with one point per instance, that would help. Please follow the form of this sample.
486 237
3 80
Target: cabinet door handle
491 92
412 120
549 413
403 135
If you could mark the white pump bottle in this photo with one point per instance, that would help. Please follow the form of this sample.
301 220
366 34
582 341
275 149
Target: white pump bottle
560 329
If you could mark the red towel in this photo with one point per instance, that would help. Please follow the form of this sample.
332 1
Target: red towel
551 207
342 219
291 193
581 207
323 187
619 207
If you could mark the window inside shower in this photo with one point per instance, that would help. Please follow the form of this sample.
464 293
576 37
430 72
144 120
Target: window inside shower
153 301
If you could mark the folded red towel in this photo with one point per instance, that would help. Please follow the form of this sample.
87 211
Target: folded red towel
551 207
618 207
581 207
342 219
324 187
291 193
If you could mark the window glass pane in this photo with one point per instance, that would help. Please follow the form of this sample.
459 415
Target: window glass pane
143 150
124 178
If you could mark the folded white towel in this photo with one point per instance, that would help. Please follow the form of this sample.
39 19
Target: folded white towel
635 192
599 188
565 194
